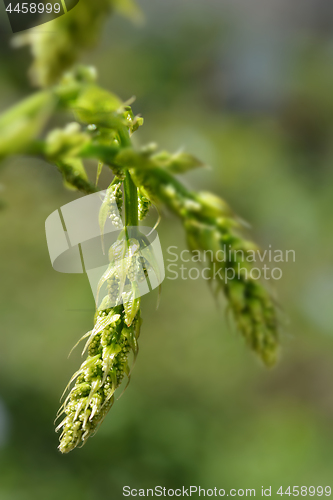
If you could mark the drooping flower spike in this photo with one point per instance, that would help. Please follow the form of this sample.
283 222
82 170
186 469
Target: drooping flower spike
107 363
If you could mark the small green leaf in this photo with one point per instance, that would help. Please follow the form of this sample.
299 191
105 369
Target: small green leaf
104 213
99 107
212 205
109 208
74 175
109 354
177 163
107 275
22 123
101 323
99 171
105 304
131 302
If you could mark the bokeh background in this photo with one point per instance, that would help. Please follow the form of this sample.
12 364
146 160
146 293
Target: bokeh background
246 85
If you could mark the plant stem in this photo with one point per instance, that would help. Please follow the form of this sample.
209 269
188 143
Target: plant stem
130 189
131 201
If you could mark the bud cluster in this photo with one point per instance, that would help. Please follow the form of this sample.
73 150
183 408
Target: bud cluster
143 205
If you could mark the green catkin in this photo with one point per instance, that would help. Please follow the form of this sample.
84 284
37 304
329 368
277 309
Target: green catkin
251 304
100 375
113 288
119 198
143 205
210 225
137 270
115 198
118 172
111 206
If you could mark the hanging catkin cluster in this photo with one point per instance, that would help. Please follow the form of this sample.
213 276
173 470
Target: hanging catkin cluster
115 333
101 130
211 226
109 345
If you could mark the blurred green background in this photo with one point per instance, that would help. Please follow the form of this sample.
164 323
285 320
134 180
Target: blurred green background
246 85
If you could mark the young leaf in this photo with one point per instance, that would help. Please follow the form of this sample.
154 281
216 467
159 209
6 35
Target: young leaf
131 302
21 124
99 171
177 163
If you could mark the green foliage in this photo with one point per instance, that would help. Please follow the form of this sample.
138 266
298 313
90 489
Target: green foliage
143 204
102 131
103 134
23 123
